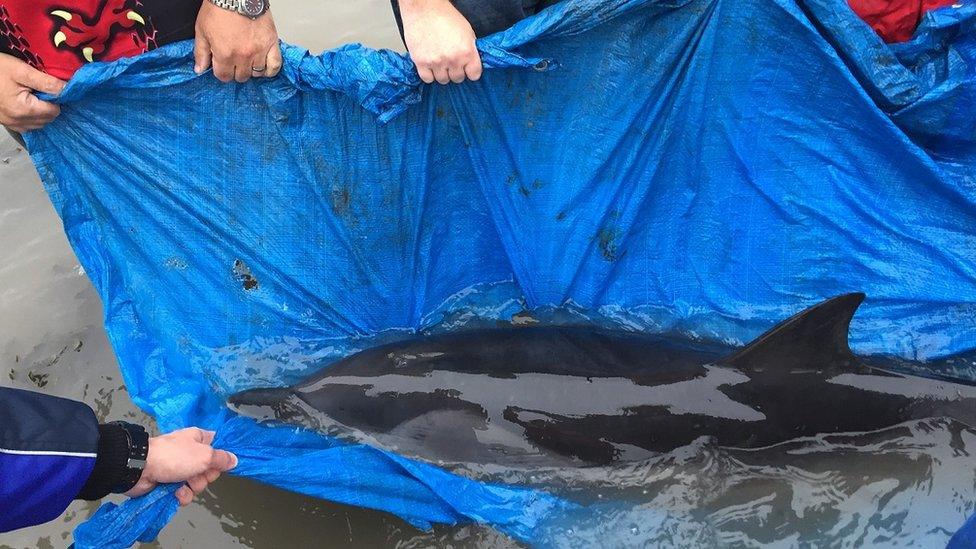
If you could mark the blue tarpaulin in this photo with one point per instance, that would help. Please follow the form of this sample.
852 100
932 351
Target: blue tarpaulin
698 166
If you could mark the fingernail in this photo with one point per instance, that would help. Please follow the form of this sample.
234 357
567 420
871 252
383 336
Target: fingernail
234 459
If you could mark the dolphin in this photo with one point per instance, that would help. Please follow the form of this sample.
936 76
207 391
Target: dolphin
565 396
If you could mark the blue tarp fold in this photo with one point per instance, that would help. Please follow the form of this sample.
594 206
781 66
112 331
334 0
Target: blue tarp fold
702 166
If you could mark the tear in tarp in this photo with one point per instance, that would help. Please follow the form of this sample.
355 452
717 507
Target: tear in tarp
698 166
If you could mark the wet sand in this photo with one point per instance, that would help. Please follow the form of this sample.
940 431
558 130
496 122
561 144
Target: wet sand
52 339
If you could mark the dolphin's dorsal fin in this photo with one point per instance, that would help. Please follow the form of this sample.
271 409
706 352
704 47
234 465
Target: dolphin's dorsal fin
813 339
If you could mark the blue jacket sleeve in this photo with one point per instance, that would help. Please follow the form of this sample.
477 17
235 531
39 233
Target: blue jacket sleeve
48 450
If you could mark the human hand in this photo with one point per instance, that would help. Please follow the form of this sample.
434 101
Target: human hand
183 456
440 40
20 109
235 44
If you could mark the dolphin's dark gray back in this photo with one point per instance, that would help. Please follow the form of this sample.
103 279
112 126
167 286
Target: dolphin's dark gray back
526 396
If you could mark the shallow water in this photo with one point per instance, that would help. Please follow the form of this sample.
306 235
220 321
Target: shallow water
907 486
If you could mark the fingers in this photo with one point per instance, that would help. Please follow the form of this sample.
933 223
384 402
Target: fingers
244 66
202 55
184 456
442 75
36 80
141 488
222 460
41 111
223 66
184 494
259 65
198 483
473 69
243 71
273 61
28 113
25 126
447 68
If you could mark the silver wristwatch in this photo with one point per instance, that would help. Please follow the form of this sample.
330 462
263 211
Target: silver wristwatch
247 8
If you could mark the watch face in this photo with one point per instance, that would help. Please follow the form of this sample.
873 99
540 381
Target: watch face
254 8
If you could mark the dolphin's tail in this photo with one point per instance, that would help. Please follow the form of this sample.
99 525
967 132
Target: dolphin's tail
260 397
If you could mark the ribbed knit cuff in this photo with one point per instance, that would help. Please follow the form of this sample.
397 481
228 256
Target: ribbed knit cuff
113 454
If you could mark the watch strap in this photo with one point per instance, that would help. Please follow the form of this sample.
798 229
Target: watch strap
232 5
138 451
238 7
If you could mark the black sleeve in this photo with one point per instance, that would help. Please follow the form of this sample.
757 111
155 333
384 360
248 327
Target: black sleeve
111 458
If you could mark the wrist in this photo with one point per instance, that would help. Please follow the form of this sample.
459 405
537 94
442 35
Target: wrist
110 462
252 9
413 6
137 446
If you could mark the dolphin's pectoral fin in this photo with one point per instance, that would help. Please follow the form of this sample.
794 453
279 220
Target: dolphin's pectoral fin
813 339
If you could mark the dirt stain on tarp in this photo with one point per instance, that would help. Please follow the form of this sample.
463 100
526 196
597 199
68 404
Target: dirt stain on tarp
607 240
243 275
341 200
527 190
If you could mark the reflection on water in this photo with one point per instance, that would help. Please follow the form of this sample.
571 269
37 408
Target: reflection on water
910 485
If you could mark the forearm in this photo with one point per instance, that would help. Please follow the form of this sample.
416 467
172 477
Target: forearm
52 450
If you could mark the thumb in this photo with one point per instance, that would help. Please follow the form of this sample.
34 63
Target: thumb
201 54
36 80
222 460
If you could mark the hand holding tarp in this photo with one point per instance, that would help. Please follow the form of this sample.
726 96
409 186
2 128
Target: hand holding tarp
183 456
440 40
20 109
238 47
